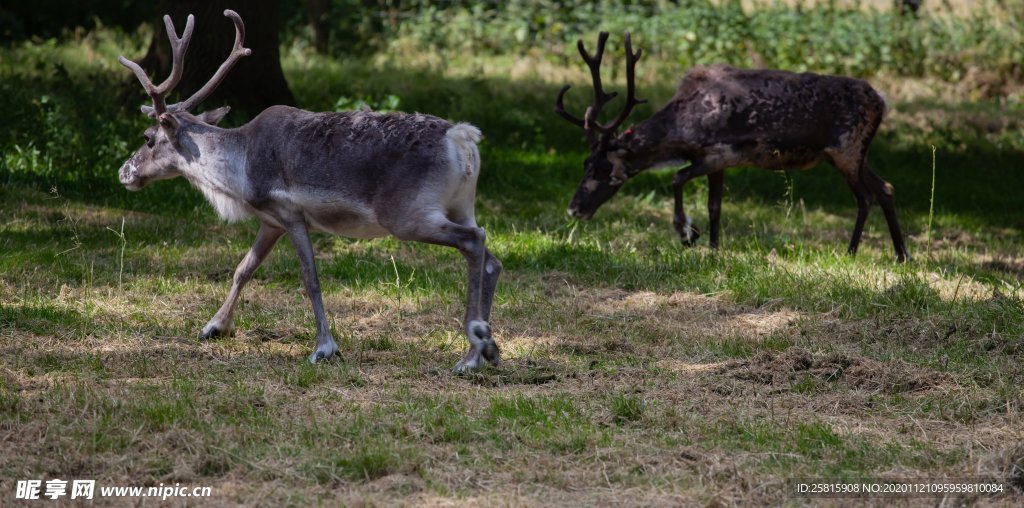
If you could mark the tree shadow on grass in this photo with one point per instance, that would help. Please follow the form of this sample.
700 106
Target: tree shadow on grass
43 319
979 185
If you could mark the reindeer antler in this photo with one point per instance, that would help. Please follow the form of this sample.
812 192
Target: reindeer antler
631 100
178 48
589 121
237 53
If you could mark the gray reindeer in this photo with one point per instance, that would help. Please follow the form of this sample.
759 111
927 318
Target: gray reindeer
359 174
723 117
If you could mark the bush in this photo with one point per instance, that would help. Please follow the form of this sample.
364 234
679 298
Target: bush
824 37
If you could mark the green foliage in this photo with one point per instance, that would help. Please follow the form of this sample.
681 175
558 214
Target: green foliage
386 104
824 37
59 132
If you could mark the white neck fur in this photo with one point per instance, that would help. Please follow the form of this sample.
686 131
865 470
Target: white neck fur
218 171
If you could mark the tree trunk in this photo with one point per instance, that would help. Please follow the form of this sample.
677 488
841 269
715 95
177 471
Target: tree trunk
254 84
318 22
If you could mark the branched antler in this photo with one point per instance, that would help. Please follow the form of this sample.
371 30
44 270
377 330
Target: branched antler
179 46
589 121
631 100
237 53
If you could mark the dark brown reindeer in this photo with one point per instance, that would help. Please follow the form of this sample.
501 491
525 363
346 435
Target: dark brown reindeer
359 174
721 117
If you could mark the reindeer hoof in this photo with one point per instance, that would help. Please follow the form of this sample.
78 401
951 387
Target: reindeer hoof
491 353
475 357
481 348
213 330
465 365
688 234
324 351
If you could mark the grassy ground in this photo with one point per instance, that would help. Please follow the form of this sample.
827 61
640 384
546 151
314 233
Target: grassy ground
635 371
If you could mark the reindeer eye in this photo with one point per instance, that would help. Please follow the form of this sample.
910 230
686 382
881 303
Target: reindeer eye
149 139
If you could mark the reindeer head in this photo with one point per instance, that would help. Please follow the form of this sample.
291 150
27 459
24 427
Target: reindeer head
606 169
168 146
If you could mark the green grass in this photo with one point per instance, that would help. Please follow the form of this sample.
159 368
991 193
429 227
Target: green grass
634 370
627 408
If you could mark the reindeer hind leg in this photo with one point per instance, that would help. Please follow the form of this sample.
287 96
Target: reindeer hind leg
483 271
883 192
715 187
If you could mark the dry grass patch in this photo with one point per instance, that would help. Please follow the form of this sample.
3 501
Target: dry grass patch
581 415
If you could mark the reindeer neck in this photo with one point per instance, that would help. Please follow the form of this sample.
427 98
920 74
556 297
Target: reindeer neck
215 164
649 145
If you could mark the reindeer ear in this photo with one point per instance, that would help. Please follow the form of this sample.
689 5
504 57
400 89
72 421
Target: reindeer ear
214 116
149 111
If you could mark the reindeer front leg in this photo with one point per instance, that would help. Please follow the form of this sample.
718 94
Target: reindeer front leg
716 182
221 323
688 233
325 345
